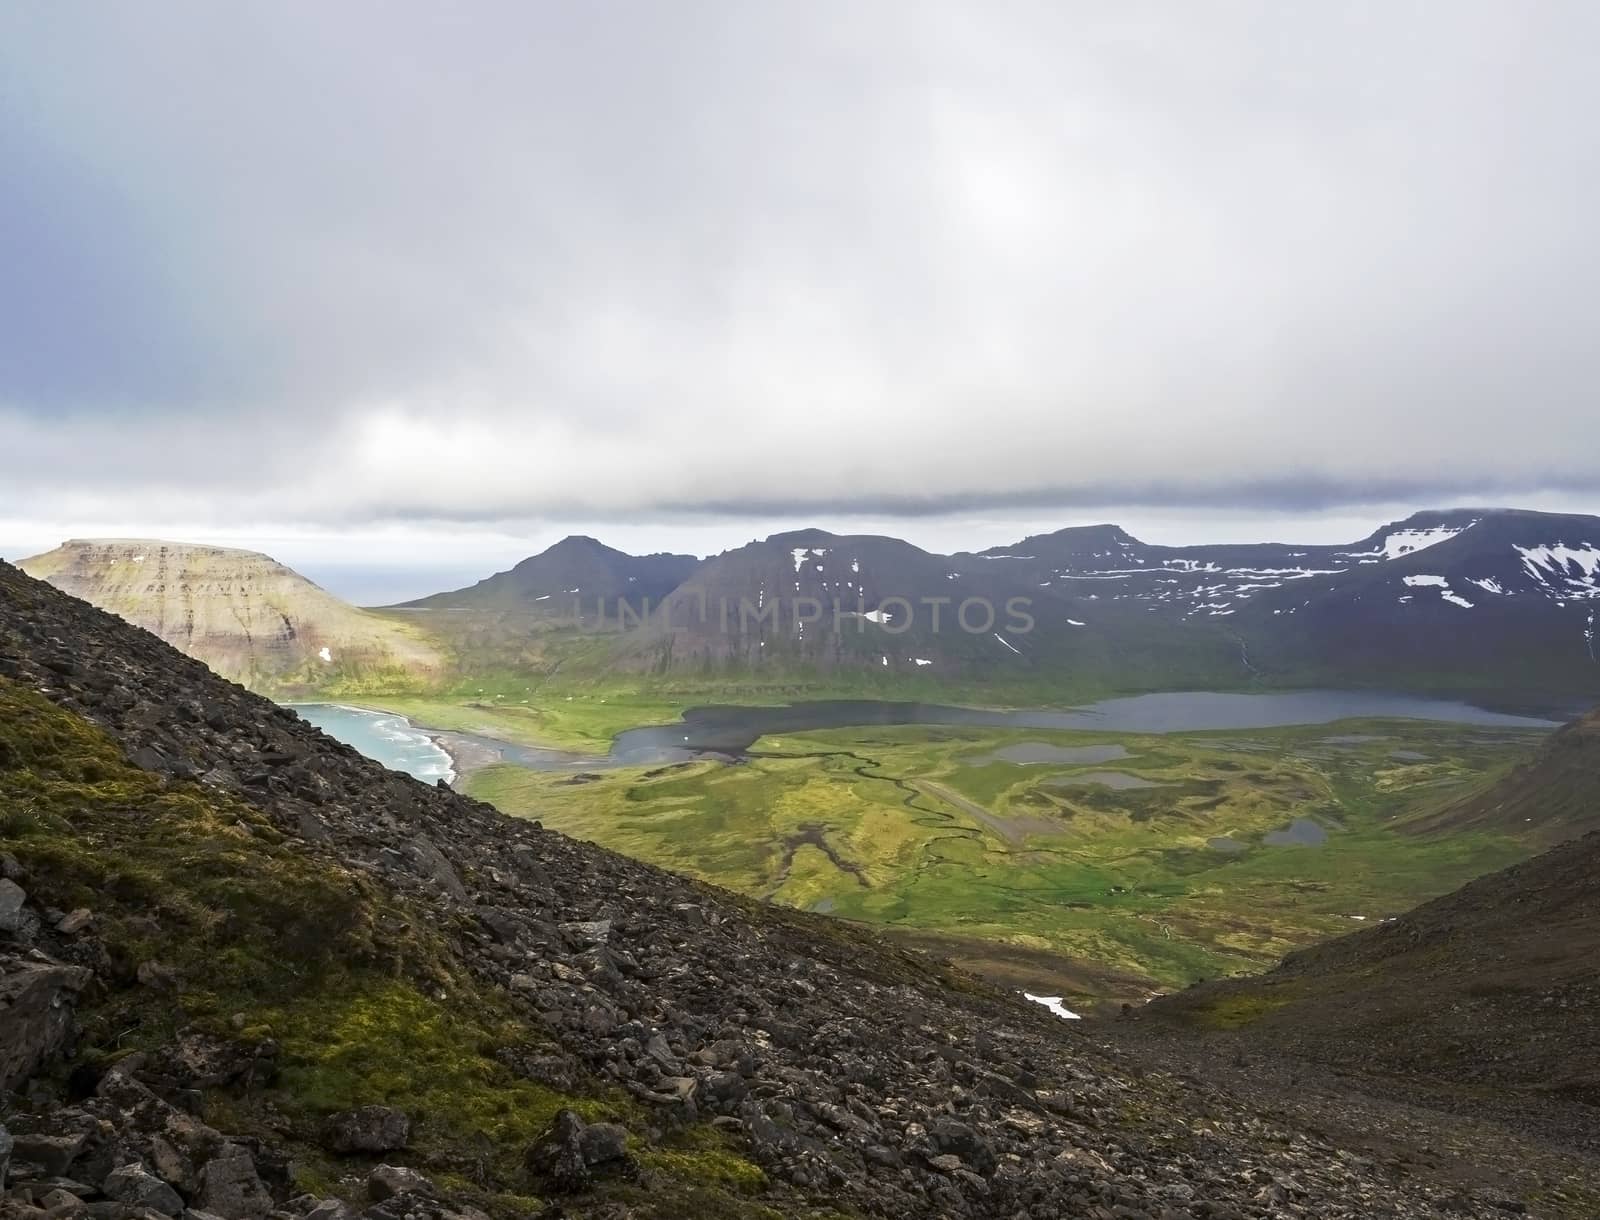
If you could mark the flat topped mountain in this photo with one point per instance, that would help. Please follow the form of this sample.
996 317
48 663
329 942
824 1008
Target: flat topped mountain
246 615
576 570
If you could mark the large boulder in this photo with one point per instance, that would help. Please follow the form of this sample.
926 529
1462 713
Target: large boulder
36 1014
567 1155
141 1189
368 1129
230 1186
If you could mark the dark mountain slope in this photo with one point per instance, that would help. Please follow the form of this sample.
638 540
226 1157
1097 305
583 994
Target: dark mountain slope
1485 997
575 571
810 601
280 930
811 598
1556 795
1508 598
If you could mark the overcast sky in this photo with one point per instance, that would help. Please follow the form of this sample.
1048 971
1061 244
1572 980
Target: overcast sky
430 284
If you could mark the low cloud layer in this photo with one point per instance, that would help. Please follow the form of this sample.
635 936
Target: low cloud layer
399 262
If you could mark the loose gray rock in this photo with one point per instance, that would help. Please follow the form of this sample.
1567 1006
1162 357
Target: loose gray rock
603 1143
387 1181
330 1209
62 1203
36 1000
137 1187
230 1186
558 1157
54 1153
5 1156
12 896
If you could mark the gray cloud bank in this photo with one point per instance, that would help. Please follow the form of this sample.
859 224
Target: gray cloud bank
391 261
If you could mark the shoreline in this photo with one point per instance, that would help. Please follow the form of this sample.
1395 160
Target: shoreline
467 757
464 755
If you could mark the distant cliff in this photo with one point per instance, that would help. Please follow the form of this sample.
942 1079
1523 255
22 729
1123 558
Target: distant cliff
244 614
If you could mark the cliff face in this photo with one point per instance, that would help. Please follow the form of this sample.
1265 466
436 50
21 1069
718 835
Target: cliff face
244 614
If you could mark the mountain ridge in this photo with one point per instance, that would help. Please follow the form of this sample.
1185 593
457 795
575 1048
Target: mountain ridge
1499 603
577 566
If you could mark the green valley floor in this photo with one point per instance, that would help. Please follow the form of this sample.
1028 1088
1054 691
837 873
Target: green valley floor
1105 867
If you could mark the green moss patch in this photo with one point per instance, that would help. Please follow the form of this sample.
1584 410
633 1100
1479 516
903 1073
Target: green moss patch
267 937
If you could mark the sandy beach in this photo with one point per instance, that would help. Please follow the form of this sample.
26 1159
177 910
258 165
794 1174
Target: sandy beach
467 754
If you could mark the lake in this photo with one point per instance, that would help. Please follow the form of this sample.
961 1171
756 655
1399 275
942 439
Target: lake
730 731
733 730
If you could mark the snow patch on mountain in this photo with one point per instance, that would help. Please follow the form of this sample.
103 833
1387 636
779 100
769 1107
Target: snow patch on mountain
1577 569
1443 585
1409 542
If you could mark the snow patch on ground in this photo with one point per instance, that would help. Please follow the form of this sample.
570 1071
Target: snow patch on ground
325 654
1054 1004
1008 643
1072 622
922 661
1439 581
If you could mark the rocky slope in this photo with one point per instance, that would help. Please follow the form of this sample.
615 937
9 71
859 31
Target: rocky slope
251 973
244 614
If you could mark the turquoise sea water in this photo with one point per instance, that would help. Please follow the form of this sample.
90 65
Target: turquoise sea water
390 739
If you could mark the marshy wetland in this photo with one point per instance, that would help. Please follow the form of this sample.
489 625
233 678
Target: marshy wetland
1202 853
